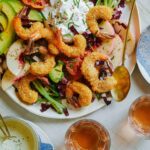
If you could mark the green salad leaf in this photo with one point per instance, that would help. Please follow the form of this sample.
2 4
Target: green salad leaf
110 3
60 108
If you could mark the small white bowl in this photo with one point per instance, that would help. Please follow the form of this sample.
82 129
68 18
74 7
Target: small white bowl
29 140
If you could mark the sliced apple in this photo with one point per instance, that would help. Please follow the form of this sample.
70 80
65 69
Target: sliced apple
24 71
14 64
107 28
106 47
120 29
7 80
117 53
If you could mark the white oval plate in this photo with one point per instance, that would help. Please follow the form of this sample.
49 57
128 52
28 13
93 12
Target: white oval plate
75 113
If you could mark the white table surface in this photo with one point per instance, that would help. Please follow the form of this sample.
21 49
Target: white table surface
113 117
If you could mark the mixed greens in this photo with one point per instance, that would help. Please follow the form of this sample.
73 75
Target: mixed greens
112 3
51 87
55 104
109 3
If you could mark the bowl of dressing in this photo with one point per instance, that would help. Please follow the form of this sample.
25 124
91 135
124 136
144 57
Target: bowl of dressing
23 136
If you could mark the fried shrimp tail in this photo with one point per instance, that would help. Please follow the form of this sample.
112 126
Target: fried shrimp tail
25 92
96 13
91 73
35 32
75 50
78 94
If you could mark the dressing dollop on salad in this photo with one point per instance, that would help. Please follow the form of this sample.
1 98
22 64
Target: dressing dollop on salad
67 13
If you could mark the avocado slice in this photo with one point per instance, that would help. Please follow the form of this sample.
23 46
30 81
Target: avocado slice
8 36
3 20
57 74
17 6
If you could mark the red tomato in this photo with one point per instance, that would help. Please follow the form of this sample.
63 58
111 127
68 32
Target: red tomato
38 4
73 67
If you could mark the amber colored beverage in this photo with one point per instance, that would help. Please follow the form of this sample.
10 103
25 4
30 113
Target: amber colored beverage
87 135
139 115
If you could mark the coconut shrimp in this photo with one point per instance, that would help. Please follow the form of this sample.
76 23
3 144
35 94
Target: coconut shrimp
75 50
84 94
53 49
43 68
35 32
25 92
91 73
96 13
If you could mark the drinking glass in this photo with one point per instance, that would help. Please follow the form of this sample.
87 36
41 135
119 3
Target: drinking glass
139 116
87 135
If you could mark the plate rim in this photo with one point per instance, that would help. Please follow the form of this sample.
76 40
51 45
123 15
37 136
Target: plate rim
139 33
136 11
142 70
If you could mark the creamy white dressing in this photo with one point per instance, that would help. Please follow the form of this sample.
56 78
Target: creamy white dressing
66 13
13 143
22 137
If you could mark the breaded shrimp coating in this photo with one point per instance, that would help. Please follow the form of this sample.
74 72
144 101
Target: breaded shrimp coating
35 32
96 13
75 50
91 73
25 92
43 68
84 94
